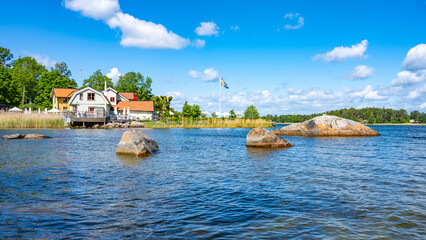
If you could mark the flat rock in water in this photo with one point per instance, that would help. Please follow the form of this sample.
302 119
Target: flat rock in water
277 132
36 136
14 136
136 143
262 138
329 126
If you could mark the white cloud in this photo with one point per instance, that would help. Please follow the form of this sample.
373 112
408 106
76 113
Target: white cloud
97 9
416 58
199 43
114 74
176 95
143 34
405 78
207 29
361 72
235 27
291 16
368 93
339 54
423 105
135 32
209 75
42 59
417 93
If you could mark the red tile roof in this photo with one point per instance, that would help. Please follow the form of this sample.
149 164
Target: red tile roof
129 95
63 92
147 106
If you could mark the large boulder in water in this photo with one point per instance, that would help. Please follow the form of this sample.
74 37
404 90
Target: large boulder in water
260 137
329 126
136 143
14 136
35 136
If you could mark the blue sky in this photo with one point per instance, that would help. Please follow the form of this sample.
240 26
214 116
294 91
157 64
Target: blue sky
282 56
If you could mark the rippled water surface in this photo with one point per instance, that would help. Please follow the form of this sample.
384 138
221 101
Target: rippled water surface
206 184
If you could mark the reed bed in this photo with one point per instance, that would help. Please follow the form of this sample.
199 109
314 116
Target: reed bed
21 120
210 123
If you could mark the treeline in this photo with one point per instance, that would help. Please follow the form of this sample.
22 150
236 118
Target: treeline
369 115
25 83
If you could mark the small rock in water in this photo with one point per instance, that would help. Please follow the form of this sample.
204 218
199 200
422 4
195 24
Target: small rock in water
36 136
262 138
135 124
14 136
136 143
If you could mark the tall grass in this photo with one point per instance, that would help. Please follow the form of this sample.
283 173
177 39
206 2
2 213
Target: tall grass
210 123
21 120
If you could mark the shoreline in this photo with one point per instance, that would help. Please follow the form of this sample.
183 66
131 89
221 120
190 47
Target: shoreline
394 124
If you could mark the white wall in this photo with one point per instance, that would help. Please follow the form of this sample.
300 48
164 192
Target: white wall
83 105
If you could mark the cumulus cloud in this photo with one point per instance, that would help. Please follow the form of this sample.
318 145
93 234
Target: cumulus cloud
97 9
235 27
209 75
369 94
415 59
207 29
135 32
176 95
42 59
423 105
114 74
199 43
360 72
291 16
405 78
339 54
417 93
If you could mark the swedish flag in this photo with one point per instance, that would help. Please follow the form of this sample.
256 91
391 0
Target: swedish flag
223 83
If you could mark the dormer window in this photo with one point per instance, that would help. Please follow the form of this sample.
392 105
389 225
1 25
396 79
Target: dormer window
112 99
91 97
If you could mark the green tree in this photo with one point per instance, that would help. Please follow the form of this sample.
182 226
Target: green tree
415 115
232 114
195 111
251 112
186 109
5 57
214 115
129 82
10 88
27 71
57 78
97 81
145 91
162 105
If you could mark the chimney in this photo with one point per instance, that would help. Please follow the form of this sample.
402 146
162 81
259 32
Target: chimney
135 96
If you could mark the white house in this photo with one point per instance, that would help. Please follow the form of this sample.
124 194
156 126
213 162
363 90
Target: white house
89 100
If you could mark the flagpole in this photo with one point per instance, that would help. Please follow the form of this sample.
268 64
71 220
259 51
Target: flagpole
220 87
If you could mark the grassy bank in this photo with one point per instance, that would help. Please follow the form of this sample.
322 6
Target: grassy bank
210 123
20 120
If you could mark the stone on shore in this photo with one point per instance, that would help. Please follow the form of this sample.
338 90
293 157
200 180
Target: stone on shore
14 136
136 143
135 124
262 138
36 136
329 126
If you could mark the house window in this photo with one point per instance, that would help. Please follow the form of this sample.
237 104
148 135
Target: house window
81 97
64 100
91 109
65 109
112 99
91 97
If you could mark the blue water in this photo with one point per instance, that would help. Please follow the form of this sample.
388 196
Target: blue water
206 184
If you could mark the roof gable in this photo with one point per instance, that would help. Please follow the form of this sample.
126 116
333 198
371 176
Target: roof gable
88 89
62 92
